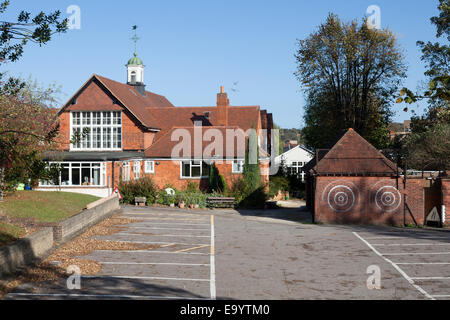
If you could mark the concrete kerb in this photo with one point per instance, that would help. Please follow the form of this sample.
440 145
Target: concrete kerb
31 250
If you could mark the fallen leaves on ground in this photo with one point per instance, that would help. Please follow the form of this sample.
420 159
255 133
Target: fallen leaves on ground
54 267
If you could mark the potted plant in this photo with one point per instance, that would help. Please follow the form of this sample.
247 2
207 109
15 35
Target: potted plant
181 204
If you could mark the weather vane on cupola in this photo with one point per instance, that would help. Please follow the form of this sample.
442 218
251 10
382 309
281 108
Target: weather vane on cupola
135 69
135 38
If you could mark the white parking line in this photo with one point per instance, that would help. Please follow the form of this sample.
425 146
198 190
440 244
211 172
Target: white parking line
172 219
115 296
177 229
404 238
156 263
430 278
144 278
156 242
420 289
162 214
153 251
212 263
180 224
414 253
421 263
163 235
410 244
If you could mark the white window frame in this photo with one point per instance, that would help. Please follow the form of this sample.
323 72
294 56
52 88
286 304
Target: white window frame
137 169
114 125
98 165
126 171
297 165
149 166
190 169
240 164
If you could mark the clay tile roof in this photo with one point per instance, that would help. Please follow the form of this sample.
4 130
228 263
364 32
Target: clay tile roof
129 97
243 117
352 154
164 146
135 102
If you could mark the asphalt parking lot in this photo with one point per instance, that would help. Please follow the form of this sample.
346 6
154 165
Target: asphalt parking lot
275 254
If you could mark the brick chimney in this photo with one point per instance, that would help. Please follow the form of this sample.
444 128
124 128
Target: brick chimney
222 108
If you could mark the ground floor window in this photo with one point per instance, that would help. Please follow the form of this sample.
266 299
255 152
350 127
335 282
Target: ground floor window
78 174
126 171
238 166
194 169
137 169
149 166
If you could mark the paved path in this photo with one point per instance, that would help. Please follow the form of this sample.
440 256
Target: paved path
259 254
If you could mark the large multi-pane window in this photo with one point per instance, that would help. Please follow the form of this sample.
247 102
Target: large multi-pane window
194 169
98 130
79 174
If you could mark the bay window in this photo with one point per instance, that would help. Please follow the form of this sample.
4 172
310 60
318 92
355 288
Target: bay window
97 130
78 174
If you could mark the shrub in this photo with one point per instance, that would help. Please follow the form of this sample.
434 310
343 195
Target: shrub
276 184
164 198
246 197
191 187
196 197
238 189
143 187
255 199
216 181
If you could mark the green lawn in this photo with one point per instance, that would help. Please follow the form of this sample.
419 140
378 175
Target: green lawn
9 233
45 206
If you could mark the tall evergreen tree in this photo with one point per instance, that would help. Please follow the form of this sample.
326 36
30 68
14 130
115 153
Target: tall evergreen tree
252 173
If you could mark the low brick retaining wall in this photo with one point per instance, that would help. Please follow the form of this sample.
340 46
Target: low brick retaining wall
26 250
76 224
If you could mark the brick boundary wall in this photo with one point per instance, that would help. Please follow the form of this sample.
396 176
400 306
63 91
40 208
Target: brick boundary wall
28 250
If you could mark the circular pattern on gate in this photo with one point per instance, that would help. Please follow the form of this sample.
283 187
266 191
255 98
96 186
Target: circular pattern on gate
340 195
388 198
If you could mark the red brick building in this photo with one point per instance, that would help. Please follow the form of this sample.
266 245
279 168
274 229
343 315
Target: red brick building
132 132
352 182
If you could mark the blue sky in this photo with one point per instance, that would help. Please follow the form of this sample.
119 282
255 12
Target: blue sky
190 48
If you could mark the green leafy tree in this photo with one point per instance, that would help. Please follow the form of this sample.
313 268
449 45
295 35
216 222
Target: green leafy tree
436 56
430 150
15 35
27 125
428 147
350 74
